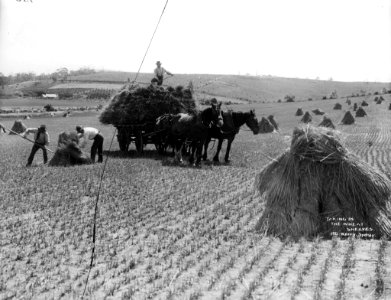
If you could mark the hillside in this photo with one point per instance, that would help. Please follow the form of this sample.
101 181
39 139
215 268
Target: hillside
254 88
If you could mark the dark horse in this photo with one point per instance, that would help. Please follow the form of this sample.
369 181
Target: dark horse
190 128
232 121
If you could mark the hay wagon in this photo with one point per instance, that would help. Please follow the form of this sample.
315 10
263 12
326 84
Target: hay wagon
134 111
141 135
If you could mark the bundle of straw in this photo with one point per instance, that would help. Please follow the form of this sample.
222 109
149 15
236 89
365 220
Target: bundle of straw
318 178
337 106
306 118
360 112
18 127
265 126
299 112
326 122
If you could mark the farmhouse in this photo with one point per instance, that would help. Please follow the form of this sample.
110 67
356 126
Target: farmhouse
50 96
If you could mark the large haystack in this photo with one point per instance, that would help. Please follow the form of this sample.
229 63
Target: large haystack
306 118
360 112
337 106
326 122
348 118
317 182
143 105
69 155
18 127
318 112
273 122
299 112
265 126
65 138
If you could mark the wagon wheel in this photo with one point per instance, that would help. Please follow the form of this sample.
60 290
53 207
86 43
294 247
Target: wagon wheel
139 143
123 141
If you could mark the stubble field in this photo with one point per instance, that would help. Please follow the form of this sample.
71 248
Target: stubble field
171 232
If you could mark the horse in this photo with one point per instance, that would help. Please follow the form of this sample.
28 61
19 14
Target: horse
232 121
192 128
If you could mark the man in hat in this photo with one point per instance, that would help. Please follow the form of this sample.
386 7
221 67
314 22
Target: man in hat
159 73
41 140
91 133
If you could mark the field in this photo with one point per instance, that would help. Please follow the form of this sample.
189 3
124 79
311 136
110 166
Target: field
172 232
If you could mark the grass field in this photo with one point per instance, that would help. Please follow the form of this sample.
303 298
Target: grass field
170 232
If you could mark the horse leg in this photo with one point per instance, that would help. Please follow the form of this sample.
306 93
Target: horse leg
206 145
191 152
216 157
178 151
229 142
200 144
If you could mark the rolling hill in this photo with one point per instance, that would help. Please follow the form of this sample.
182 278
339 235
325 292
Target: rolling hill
252 88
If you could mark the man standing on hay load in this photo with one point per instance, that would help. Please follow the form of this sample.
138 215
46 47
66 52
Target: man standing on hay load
91 134
159 74
41 140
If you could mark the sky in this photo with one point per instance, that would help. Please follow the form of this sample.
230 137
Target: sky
346 40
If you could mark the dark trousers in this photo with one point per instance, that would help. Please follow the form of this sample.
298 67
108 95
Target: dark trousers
97 146
160 80
34 150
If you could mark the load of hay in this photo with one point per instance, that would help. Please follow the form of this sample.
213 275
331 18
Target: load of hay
18 127
318 112
273 122
337 106
326 122
318 180
360 112
364 103
64 138
140 105
348 118
299 112
306 118
68 152
265 126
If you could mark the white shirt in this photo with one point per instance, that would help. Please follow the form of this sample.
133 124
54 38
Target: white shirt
89 133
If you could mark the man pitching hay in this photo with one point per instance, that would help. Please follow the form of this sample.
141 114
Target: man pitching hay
316 180
159 74
91 133
41 140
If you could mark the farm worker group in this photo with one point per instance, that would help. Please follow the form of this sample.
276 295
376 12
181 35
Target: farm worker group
42 139
159 74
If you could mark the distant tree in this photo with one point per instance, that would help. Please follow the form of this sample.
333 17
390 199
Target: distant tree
2 80
62 74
